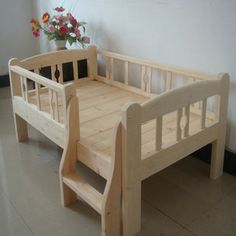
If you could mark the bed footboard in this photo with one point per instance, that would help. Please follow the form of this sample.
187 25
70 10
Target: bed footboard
43 106
137 166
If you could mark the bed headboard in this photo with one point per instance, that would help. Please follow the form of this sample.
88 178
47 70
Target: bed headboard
53 64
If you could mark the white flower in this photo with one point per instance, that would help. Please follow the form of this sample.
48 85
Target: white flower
73 35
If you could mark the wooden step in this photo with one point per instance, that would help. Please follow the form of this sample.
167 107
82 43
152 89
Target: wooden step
84 190
98 162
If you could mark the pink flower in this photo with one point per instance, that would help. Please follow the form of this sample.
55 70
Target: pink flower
36 33
60 20
59 9
72 20
77 32
33 21
51 28
63 30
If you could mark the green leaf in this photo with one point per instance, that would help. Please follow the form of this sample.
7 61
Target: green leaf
71 40
51 36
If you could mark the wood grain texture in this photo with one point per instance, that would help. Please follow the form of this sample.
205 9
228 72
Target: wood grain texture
121 132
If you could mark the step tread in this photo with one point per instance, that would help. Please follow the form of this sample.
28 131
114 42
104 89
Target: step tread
84 190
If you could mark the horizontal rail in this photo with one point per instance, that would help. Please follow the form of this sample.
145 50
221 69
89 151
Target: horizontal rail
37 78
178 98
54 58
167 68
158 160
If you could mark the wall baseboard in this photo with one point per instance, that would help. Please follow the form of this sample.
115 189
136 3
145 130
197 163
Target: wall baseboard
204 154
4 81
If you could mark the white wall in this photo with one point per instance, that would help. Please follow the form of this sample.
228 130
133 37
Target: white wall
15 31
196 34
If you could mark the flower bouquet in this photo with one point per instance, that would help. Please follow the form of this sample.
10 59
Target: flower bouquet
61 27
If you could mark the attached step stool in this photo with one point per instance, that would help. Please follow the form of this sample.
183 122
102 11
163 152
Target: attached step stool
108 203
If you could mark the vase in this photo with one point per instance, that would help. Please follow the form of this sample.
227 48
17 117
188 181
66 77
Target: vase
60 44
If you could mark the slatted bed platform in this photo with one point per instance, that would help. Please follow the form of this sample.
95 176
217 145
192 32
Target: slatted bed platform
123 132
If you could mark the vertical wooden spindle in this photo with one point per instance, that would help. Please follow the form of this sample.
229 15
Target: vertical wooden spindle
216 107
22 86
38 102
149 79
179 130
168 81
126 72
112 69
159 133
108 68
203 113
61 81
25 87
143 72
187 115
75 70
53 71
51 105
56 108
36 71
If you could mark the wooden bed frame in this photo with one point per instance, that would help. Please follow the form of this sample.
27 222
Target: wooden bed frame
124 133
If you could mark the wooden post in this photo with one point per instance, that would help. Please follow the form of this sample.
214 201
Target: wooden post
111 207
20 124
218 146
92 62
131 164
69 156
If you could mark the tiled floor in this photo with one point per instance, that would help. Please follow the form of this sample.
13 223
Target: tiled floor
181 200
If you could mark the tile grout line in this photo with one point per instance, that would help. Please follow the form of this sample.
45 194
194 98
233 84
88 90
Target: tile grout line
14 207
202 214
181 225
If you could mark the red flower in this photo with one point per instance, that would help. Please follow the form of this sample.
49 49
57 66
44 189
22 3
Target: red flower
33 21
59 9
77 32
63 30
72 20
45 17
36 33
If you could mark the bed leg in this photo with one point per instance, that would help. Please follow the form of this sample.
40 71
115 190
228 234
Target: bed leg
132 209
21 128
67 195
111 219
217 158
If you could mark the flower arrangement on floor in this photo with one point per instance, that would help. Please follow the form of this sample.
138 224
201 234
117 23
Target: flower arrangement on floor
60 27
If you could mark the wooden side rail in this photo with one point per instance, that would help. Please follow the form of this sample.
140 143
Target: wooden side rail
170 75
147 63
46 91
136 167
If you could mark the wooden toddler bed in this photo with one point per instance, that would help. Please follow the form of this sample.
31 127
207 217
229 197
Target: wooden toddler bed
127 120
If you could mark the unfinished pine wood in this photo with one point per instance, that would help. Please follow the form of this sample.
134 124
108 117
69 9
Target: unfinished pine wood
168 81
218 146
75 70
38 102
126 73
146 79
53 71
85 121
60 68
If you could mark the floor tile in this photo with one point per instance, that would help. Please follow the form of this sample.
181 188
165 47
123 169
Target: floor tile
192 175
172 200
155 223
11 224
219 221
184 232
